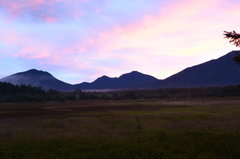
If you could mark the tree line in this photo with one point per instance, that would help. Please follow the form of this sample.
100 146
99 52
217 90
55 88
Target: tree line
27 93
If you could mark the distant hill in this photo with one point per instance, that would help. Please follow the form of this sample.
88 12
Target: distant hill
125 81
219 72
99 83
45 80
42 79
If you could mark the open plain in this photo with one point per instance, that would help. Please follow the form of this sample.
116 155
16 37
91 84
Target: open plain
170 128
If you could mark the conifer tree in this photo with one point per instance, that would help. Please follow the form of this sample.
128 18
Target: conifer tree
235 39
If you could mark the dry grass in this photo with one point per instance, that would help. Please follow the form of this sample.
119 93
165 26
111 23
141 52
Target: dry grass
122 121
89 118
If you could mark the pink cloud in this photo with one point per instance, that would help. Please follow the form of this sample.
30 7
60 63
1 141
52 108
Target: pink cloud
177 20
174 32
45 52
182 29
166 33
48 10
50 19
187 23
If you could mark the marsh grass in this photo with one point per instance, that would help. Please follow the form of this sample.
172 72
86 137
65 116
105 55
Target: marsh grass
121 129
144 144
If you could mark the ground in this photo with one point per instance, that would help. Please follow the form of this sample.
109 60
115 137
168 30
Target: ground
173 128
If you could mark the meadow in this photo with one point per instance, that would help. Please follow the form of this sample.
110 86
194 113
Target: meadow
169 128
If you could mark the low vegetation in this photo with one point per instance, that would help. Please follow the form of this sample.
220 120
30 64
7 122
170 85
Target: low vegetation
23 93
180 128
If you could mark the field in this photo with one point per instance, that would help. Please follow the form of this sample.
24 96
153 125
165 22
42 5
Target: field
194 128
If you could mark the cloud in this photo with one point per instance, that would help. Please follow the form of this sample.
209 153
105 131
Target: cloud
111 38
94 11
177 27
173 27
44 10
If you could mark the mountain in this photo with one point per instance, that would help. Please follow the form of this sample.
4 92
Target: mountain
42 79
125 81
99 83
134 79
45 80
219 72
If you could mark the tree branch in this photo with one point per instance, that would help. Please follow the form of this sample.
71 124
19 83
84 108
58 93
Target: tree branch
233 36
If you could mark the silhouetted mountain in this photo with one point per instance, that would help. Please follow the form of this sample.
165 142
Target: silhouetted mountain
102 80
99 83
125 81
47 81
134 79
219 72
38 78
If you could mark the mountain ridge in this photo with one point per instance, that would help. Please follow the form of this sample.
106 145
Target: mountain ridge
125 81
38 78
217 72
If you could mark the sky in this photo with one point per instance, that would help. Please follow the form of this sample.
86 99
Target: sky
80 40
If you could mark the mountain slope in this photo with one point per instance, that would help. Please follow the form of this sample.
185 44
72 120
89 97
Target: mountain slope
125 81
219 72
99 83
132 79
38 78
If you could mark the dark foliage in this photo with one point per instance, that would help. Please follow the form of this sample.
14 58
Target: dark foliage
20 93
233 36
236 58
177 93
23 93
235 39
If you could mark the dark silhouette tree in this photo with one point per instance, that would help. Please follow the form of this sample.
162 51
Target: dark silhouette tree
233 36
235 39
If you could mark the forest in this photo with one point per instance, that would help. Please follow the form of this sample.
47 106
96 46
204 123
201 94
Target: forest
158 123
24 93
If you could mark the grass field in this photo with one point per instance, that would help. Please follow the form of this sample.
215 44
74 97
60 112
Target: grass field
142 129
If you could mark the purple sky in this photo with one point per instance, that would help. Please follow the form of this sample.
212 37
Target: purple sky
81 40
